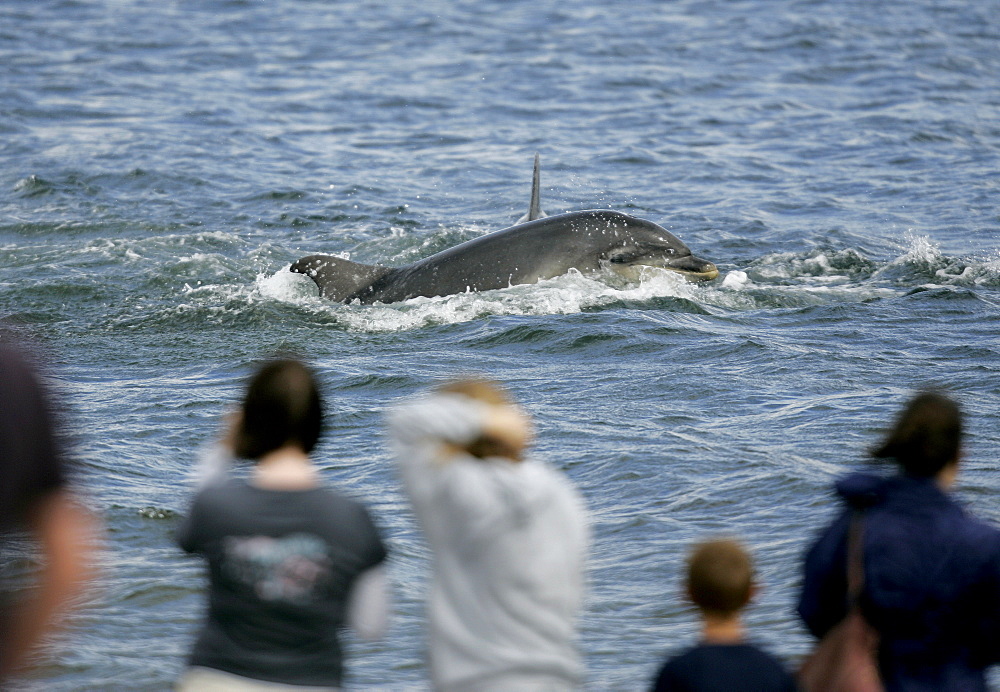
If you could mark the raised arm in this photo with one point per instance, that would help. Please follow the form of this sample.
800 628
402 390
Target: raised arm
430 436
436 419
448 422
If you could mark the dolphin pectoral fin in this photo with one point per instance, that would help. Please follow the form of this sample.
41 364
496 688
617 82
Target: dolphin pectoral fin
338 278
535 207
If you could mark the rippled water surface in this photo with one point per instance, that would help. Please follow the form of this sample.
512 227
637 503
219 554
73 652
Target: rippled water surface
162 164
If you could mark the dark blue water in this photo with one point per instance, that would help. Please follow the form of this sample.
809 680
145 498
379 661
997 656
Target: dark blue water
162 163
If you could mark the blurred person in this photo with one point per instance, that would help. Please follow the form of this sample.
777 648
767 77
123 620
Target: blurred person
36 503
508 537
720 583
931 570
290 562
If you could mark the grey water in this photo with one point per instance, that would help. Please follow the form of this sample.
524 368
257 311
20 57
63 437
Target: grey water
163 162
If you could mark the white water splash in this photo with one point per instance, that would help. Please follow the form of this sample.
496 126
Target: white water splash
736 281
924 255
567 294
921 251
285 286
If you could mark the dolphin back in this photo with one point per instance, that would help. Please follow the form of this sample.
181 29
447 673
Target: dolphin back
338 278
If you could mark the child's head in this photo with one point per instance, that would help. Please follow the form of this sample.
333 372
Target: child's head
720 578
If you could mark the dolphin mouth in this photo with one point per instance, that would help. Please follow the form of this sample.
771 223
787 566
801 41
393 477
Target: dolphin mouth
705 271
693 268
707 274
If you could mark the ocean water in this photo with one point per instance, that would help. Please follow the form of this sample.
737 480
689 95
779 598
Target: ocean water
162 164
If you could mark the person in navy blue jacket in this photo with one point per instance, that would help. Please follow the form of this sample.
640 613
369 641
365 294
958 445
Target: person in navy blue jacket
931 570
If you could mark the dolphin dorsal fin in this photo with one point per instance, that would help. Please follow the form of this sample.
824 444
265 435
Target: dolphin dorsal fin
535 208
338 278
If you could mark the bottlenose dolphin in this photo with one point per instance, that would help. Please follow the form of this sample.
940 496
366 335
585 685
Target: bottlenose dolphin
541 248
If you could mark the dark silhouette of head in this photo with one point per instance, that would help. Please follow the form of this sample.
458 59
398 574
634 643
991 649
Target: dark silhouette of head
282 407
927 435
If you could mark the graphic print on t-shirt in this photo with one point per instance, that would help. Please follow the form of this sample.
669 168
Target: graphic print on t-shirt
293 568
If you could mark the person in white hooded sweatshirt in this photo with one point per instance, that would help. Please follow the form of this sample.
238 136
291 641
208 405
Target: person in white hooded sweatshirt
508 537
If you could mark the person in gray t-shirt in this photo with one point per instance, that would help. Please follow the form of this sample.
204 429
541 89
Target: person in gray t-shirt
290 563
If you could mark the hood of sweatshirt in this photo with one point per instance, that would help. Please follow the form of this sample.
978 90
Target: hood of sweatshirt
866 490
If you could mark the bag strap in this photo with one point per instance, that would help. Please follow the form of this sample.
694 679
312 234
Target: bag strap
855 558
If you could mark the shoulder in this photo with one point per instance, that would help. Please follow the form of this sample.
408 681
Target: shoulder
212 508
224 491
965 537
333 505
980 539
975 527
225 502
752 652
543 473
346 516
352 507
686 669
674 673
730 667
556 485
766 669
862 490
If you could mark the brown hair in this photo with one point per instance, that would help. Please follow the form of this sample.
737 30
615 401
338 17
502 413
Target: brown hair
926 437
720 576
492 393
282 406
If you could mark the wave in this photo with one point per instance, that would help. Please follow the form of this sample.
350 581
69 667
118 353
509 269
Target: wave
177 277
